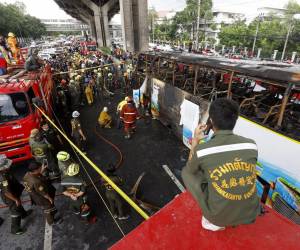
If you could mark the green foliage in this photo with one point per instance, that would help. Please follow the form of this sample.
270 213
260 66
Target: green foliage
236 34
185 20
183 23
272 32
13 19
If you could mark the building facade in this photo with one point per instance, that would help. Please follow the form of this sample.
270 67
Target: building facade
64 25
220 18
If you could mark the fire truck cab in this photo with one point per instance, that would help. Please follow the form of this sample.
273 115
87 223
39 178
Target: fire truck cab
87 47
18 116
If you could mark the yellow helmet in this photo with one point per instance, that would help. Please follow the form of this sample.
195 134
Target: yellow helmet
63 156
73 169
11 34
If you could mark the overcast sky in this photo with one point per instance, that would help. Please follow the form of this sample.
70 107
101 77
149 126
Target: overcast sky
49 9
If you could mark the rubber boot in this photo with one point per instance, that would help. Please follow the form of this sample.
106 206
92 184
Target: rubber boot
16 225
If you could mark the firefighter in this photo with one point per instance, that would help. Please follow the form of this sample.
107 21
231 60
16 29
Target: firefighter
64 160
11 191
114 199
89 93
62 101
77 133
146 105
41 191
75 188
129 115
74 90
105 119
99 81
13 45
4 56
119 109
110 81
33 62
41 150
51 136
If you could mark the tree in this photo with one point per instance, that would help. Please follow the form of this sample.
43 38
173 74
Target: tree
272 32
13 19
236 34
186 19
152 19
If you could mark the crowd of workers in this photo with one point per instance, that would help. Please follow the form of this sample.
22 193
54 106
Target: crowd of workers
81 78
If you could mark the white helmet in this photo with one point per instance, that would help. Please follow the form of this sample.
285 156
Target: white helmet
105 109
75 114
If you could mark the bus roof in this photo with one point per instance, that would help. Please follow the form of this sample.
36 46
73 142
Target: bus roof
280 73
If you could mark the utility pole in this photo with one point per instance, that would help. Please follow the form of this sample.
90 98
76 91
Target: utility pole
152 27
260 17
198 24
293 18
286 41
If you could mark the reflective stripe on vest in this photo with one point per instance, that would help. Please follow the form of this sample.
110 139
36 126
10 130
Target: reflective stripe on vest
226 148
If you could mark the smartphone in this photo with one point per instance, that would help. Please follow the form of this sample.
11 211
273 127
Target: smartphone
45 162
209 126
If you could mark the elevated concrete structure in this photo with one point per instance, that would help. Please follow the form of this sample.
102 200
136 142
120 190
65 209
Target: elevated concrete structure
97 14
64 25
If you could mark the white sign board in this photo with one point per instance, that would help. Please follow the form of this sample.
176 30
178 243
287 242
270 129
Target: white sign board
273 148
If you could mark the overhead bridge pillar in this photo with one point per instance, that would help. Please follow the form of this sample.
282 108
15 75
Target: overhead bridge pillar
134 14
99 24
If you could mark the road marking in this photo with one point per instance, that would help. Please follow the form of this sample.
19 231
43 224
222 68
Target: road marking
174 178
48 237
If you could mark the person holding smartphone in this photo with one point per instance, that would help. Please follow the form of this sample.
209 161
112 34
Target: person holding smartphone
220 173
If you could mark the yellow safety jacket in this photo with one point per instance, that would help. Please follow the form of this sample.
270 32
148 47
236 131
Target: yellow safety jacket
104 117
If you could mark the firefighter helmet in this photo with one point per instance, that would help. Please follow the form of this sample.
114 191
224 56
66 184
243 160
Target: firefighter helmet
75 114
73 169
11 34
63 156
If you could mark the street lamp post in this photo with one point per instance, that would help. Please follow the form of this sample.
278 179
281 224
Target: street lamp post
286 41
295 17
198 24
260 18
152 27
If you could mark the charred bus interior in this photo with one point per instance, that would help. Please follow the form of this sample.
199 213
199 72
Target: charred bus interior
268 93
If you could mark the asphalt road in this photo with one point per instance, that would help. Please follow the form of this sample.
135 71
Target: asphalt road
152 146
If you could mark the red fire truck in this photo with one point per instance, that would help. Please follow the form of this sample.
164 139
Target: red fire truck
18 116
87 47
